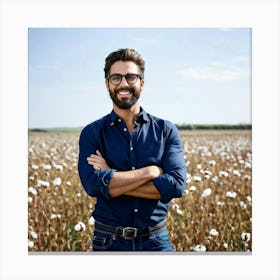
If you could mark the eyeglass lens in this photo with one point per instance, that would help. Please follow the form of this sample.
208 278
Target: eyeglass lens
130 78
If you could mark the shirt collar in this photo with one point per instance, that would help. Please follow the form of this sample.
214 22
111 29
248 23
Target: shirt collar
142 117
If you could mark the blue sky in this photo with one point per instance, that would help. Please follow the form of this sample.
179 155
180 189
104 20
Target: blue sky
193 75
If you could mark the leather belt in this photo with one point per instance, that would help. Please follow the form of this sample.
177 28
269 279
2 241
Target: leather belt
130 232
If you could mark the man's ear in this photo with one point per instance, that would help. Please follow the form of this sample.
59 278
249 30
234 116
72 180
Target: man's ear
107 84
142 84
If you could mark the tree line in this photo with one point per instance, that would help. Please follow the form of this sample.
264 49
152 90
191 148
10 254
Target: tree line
213 126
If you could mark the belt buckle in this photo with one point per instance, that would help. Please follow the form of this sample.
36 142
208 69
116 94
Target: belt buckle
129 232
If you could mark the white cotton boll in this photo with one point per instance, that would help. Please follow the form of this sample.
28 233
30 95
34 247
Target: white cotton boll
179 212
32 190
215 179
200 248
192 188
43 184
243 205
80 226
245 236
236 172
248 165
223 174
30 243
207 173
57 182
59 167
197 178
34 234
175 206
207 177
189 178
220 203
91 221
35 166
213 232
198 166
47 166
55 216
225 245
30 199
212 162
77 227
231 194
206 192
68 183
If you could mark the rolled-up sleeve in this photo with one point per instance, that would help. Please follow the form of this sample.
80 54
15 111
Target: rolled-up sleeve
172 182
95 182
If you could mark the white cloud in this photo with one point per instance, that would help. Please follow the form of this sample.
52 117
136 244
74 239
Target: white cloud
214 71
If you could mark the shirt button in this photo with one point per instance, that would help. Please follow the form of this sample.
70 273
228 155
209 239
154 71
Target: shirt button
135 210
131 148
133 167
119 120
125 129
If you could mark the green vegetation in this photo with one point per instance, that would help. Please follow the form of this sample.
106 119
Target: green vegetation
214 126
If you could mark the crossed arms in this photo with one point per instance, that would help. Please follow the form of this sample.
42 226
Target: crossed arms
152 182
136 183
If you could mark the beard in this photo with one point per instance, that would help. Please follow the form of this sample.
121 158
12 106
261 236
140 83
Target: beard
125 102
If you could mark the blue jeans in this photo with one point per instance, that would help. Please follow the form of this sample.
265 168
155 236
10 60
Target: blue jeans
157 241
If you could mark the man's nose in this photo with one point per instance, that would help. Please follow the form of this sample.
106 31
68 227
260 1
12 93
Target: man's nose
123 82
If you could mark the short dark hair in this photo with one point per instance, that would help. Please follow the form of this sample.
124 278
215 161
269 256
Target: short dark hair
124 55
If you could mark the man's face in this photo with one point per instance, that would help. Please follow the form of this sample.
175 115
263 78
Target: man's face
125 95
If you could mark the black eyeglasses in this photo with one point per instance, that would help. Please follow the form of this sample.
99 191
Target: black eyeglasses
116 79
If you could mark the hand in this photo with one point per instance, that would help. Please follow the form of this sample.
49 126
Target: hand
97 161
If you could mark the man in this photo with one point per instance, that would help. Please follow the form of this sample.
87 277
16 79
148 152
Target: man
132 162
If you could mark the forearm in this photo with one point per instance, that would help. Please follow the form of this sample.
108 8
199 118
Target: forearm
133 182
123 182
147 190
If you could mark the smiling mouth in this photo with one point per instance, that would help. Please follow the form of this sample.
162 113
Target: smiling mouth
124 92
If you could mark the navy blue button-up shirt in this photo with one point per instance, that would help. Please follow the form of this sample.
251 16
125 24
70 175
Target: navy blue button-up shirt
153 141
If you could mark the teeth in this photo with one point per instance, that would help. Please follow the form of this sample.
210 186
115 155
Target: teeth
124 92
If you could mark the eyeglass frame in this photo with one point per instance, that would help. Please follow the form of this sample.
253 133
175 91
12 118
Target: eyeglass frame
138 76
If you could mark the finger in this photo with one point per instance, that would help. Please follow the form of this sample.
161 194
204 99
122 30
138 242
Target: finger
96 167
93 161
98 153
94 156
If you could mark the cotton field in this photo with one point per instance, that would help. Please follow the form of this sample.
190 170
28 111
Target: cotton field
215 213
